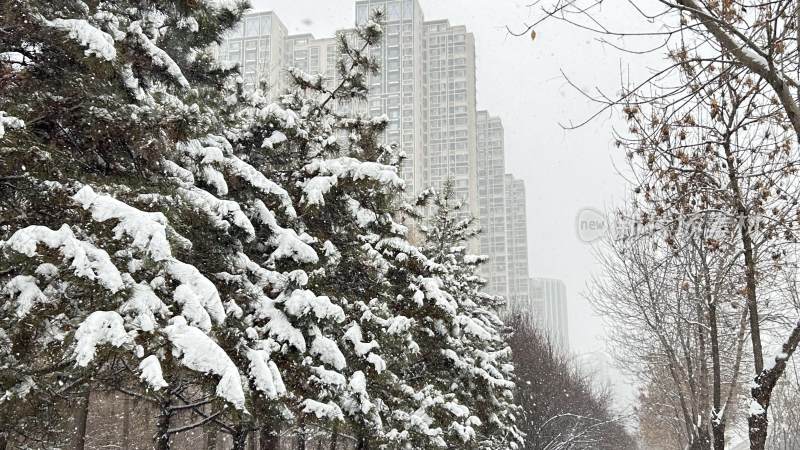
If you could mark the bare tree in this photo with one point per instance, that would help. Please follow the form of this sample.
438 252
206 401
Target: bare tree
736 64
563 409
662 308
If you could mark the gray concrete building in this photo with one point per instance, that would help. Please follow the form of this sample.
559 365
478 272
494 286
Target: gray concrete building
549 304
491 192
257 46
450 148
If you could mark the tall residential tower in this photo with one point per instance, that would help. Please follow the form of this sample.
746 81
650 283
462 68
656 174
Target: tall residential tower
398 89
491 166
450 110
257 46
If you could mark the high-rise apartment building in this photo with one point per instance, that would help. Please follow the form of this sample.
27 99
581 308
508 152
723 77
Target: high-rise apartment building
545 308
311 55
491 166
398 89
450 110
517 240
549 301
257 44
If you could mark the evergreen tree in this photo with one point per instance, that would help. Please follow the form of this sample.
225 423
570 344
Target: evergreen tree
109 237
467 354
310 333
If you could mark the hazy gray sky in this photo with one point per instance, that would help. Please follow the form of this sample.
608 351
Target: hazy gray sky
520 81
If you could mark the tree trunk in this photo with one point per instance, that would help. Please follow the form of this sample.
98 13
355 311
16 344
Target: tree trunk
752 305
301 436
81 419
126 423
718 415
758 422
269 437
239 437
210 431
211 438
3 440
162 426
334 437
758 430
703 428
698 443
363 442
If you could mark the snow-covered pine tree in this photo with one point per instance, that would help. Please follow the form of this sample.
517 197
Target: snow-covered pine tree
295 322
468 354
350 196
113 224
344 183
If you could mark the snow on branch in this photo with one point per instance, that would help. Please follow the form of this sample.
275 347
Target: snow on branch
99 328
27 293
99 43
141 308
200 353
301 302
321 410
279 326
327 350
151 373
197 294
87 261
288 244
12 123
328 172
223 213
265 374
159 57
147 229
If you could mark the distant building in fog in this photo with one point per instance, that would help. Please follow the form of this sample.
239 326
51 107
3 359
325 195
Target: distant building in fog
492 203
517 240
549 301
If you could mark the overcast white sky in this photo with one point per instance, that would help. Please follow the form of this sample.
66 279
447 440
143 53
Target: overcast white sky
520 81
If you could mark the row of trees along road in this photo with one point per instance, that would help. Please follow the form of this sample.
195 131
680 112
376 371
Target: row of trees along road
706 282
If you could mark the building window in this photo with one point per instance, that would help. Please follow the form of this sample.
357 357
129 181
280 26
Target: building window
266 24
408 9
251 26
236 32
393 12
361 14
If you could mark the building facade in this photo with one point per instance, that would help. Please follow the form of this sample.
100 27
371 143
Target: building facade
311 55
549 303
450 148
516 240
257 45
491 189
398 90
